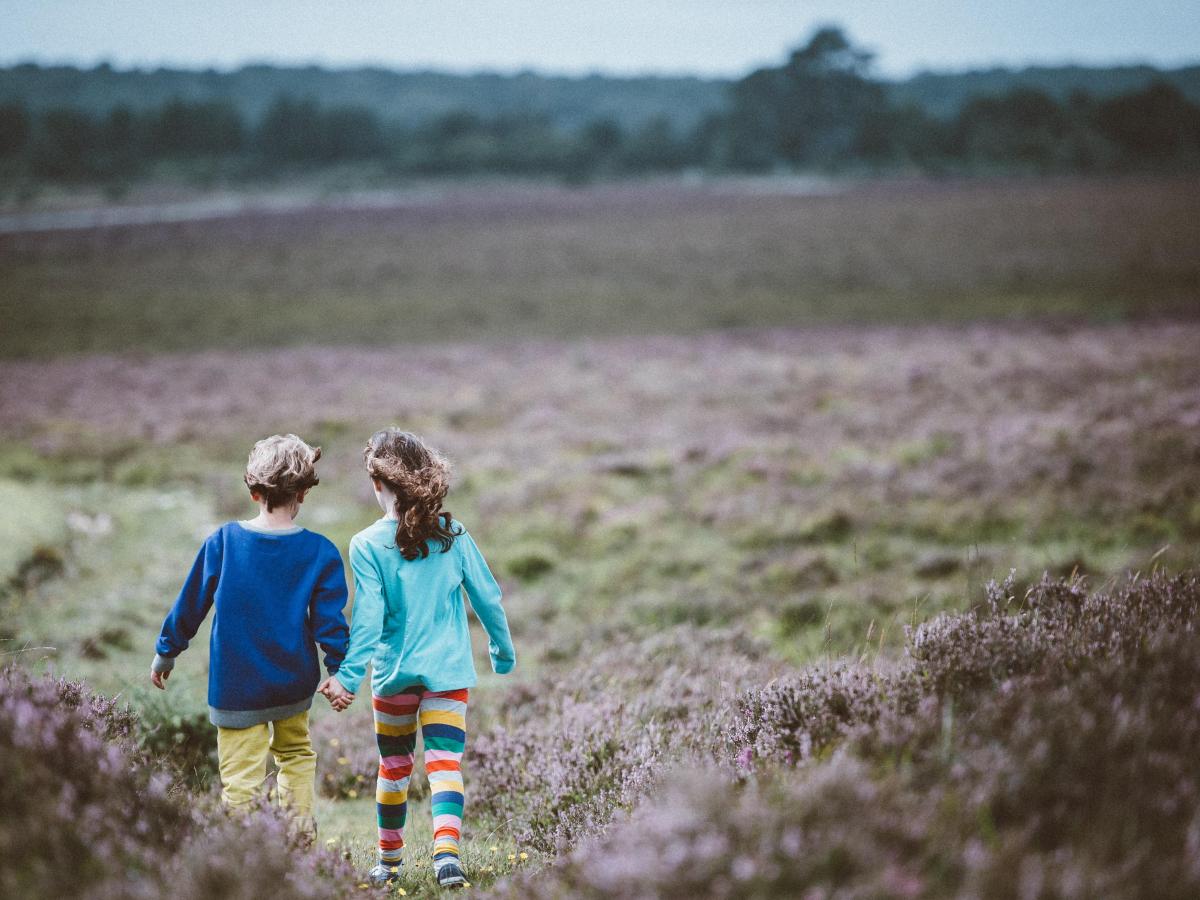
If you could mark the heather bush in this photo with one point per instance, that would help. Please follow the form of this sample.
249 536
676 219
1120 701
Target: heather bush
348 758
180 738
87 813
254 858
573 751
957 661
839 832
74 799
1036 748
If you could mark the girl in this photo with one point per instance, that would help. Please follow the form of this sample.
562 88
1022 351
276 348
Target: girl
410 623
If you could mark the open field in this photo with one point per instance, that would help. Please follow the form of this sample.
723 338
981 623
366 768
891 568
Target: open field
813 490
724 451
658 258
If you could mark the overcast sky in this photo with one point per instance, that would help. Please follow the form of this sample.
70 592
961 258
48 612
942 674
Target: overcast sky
711 37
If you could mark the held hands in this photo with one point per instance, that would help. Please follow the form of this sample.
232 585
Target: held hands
339 698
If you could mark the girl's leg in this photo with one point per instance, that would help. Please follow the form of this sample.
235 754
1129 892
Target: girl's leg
443 717
396 734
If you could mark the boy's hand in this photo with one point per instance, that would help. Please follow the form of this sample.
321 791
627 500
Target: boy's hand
159 679
339 698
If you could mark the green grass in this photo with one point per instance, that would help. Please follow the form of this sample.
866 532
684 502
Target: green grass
349 825
666 259
31 520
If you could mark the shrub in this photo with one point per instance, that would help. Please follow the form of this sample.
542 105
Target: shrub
601 736
348 759
1041 747
87 814
179 738
701 836
530 563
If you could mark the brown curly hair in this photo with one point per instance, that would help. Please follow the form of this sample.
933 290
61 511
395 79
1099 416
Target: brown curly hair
280 467
419 476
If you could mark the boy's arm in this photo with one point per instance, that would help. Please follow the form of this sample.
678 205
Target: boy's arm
484 594
329 626
366 622
191 606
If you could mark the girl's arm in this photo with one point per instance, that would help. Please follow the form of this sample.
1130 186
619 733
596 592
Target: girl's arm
366 622
325 612
191 606
484 594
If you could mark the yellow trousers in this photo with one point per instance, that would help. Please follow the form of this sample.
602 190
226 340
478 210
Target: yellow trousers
242 755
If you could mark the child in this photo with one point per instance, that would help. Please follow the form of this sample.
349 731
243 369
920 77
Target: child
410 623
277 590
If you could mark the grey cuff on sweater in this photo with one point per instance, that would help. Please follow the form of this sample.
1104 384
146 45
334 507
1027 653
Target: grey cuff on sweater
162 663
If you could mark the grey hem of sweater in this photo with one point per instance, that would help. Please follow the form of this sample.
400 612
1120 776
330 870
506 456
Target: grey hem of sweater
248 718
162 663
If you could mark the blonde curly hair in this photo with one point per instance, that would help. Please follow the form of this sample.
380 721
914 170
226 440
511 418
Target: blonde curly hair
419 476
280 467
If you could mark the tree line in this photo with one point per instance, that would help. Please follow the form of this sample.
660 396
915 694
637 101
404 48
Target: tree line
821 110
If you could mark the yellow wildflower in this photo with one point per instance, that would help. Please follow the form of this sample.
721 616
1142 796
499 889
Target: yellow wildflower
343 761
524 855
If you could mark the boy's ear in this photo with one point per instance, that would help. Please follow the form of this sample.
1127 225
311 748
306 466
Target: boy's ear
254 496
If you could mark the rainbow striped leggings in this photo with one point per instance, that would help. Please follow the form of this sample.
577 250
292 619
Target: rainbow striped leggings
442 716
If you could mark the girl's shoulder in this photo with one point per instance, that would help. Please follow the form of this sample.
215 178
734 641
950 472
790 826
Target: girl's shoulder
379 533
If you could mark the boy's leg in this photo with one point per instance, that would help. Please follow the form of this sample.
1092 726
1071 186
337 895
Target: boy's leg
443 717
396 734
242 759
297 761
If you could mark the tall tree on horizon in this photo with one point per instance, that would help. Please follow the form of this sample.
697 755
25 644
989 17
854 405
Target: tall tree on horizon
810 111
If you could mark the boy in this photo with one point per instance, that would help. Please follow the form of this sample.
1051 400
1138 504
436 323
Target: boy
277 589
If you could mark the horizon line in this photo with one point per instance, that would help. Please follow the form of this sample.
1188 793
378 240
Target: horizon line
146 67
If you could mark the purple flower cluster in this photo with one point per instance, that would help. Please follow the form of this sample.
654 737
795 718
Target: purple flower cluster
1040 746
571 752
86 813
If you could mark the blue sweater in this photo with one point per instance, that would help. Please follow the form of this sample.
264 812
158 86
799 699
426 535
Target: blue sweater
276 595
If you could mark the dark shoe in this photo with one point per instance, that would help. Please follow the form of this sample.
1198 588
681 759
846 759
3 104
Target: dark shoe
451 875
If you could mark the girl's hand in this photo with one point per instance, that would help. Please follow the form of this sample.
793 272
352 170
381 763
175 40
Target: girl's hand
159 679
339 698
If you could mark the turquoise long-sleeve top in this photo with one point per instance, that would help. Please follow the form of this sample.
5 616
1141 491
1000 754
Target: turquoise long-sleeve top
409 619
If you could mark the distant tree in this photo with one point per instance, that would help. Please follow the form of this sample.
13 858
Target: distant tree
181 128
530 145
1154 125
811 111
603 137
286 132
457 125
1024 129
119 145
654 148
905 136
350 132
15 129
65 145
708 142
